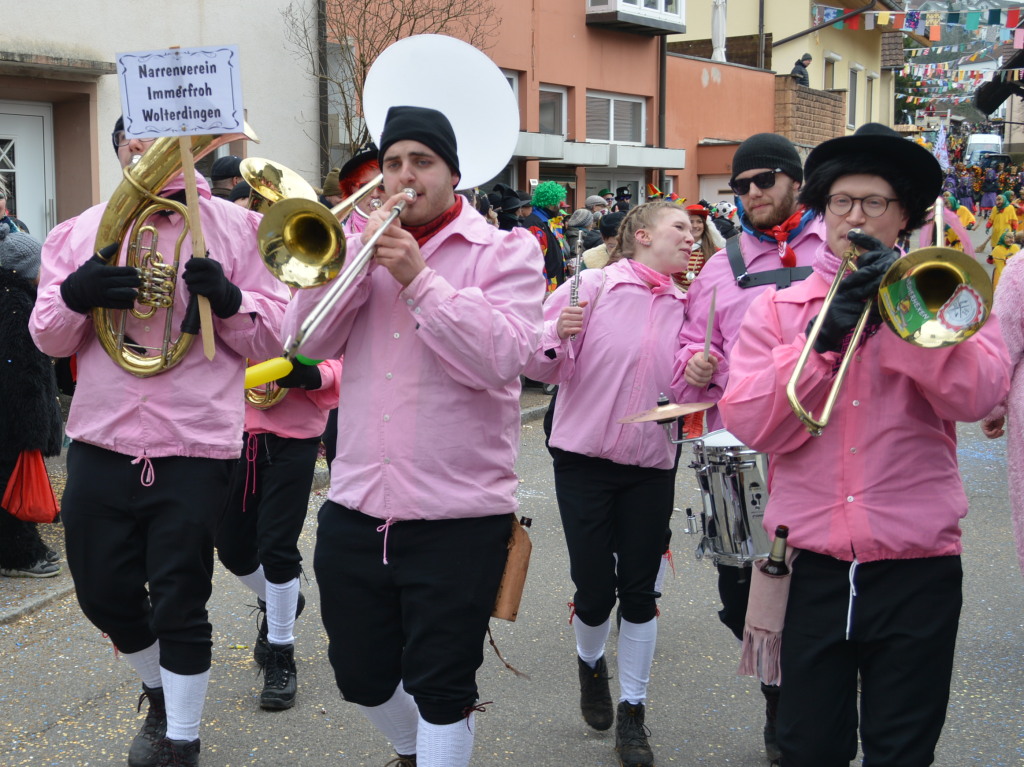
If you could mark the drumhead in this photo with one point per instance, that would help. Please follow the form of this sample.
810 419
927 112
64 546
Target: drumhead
721 438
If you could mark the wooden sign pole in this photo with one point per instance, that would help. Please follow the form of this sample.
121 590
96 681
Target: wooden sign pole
188 169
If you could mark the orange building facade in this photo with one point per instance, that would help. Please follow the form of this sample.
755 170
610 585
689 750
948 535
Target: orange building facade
602 105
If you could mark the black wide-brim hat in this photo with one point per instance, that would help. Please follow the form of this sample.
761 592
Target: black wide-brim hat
881 142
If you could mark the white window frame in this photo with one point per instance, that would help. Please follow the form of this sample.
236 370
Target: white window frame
611 98
829 70
513 80
564 92
869 96
639 8
853 94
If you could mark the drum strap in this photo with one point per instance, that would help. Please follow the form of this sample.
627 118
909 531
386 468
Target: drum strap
781 278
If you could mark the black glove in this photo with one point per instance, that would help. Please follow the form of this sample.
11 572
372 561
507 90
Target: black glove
860 286
95 283
302 377
205 277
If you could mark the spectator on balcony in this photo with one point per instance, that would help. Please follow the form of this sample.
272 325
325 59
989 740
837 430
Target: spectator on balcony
800 71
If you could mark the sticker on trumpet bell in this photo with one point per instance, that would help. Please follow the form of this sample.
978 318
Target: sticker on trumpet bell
964 309
906 309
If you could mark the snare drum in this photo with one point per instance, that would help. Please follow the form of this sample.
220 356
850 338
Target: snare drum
732 480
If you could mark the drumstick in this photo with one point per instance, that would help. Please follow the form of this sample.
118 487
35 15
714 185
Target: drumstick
711 324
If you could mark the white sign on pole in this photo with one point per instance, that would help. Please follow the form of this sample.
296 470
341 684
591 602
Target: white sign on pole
181 92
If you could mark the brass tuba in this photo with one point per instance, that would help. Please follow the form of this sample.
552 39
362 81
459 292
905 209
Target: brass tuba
133 202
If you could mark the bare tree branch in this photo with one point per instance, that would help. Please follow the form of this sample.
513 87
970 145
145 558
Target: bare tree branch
358 32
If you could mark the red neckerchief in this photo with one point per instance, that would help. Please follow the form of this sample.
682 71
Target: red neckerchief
781 234
424 232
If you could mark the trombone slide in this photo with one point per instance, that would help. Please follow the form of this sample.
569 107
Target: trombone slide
271 370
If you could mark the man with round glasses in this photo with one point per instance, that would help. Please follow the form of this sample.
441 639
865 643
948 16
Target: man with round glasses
775 248
873 504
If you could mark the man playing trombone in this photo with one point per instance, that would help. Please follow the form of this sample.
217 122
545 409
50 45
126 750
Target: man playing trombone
412 543
873 504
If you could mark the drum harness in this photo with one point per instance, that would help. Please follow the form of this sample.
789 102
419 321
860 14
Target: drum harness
782 277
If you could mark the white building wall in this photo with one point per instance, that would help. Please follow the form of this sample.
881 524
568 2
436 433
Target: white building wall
278 90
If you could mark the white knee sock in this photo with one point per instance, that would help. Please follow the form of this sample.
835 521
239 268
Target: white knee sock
397 720
146 664
184 696
445 745
590 640
282 601
636 653
257 582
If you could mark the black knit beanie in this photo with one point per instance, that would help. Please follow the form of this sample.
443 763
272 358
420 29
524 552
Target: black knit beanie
767 150
428 126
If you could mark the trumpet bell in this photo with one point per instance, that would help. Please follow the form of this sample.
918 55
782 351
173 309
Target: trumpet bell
935 297
302 243
272 182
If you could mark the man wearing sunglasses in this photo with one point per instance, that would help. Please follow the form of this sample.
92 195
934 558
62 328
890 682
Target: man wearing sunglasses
775 248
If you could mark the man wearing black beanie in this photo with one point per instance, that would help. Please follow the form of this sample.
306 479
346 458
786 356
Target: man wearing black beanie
413 540
776 247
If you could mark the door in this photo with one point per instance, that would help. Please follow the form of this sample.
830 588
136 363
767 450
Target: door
26 163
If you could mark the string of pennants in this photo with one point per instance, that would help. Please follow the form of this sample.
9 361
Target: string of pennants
927 23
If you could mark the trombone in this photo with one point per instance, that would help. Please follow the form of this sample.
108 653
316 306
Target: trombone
271 370
931 298
302 241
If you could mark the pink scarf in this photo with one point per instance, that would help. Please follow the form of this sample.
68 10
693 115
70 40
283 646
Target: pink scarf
658 282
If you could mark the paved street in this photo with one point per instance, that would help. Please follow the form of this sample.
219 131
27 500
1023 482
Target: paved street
68 701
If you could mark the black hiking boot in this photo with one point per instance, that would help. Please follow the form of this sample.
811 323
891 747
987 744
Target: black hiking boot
178 753
145 748
279 682
631 736
595 698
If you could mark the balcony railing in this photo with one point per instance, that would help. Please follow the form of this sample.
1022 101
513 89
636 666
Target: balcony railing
645 17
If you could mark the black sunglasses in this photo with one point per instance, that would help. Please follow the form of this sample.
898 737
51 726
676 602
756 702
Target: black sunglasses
762 181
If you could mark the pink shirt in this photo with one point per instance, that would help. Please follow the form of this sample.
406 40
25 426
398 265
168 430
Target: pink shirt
616 367
196 408
300 414
882 481
731 302
429 417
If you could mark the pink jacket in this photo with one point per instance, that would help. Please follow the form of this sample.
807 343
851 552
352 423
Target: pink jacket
616 367
195 409
429 414
1009 308
882 481
731 302
300 414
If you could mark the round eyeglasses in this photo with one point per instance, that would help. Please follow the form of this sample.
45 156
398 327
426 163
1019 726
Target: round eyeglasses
873 206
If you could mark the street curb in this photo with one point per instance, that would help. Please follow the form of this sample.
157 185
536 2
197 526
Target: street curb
533 413
36 603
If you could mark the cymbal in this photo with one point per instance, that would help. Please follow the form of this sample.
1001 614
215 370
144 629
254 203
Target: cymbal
666 413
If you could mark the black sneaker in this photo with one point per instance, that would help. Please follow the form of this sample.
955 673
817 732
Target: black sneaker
178 753
259 650
402 761
631 736
595 698
279 682
145 749
771 708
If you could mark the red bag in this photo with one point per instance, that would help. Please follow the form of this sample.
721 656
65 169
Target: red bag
29 496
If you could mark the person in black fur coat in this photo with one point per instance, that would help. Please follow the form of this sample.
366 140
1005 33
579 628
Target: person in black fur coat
30 418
